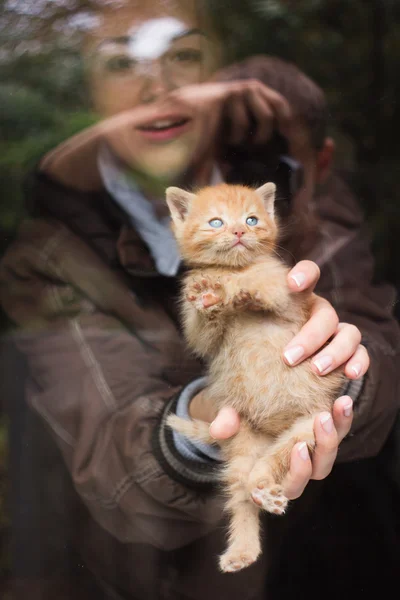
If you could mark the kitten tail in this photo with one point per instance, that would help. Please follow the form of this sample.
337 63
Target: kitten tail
195 429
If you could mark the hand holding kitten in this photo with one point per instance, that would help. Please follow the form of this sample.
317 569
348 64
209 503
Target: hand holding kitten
344 349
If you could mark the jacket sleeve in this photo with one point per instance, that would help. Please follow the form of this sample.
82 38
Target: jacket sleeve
101 381
347 281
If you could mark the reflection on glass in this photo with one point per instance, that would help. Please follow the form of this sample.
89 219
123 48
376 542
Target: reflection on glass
104 104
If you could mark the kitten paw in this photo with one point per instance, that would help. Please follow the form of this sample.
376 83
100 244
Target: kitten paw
206 295
246 300
235 560
271 499
210 299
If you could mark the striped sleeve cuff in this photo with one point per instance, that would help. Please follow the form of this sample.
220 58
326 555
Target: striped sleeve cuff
193 450
192 463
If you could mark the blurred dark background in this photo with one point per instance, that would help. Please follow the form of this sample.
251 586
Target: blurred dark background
352 49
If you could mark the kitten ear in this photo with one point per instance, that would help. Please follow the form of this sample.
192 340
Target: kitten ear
267 195
178 203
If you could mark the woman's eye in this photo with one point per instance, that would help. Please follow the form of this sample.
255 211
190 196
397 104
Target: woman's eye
215 223
186 56
118 64
251 220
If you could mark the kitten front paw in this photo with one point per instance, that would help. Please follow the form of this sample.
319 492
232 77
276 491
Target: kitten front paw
206 295
246 300
271 499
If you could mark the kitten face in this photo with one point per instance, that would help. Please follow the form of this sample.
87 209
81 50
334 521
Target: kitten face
223 225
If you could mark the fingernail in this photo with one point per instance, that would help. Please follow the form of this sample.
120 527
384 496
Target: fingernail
323 363
299 279
356 369
347 409
303 451
210 432
294 354
327 423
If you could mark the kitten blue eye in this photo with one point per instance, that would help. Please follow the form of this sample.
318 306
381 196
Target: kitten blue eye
215 223
251 220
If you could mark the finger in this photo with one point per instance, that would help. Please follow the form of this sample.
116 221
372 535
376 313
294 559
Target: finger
339 351
280 106
304 275
314 334
326 446
358 364
238 119
299 473
225 425
262 115
343 416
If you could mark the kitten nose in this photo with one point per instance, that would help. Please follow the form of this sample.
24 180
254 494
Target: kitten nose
239 232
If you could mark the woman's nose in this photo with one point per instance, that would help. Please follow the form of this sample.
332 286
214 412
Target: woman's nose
155 82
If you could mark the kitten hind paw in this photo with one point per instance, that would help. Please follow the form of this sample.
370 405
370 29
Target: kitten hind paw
236 560
271 499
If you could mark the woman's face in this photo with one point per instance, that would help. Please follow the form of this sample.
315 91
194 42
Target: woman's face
137 57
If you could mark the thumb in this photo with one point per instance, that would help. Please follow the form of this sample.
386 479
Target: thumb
226 424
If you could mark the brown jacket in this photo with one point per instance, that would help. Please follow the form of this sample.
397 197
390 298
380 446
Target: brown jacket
100 330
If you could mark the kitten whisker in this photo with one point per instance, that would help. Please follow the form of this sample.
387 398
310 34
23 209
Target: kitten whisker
285 250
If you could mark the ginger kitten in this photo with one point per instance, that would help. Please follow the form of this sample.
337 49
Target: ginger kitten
239 315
